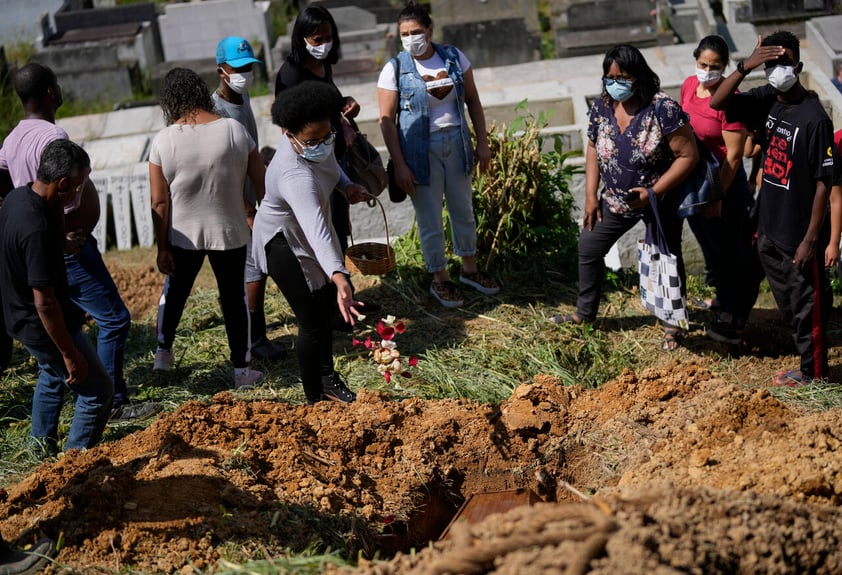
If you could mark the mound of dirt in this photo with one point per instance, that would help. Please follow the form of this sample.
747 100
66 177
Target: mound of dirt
140 287
383 476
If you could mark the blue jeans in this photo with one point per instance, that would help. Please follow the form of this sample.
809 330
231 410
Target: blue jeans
92 289
93 400
448 182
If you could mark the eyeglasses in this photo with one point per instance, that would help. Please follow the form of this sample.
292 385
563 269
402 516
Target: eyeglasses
327 140
621 80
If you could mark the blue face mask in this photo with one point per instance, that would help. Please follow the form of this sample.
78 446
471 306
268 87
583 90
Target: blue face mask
318 153
619 90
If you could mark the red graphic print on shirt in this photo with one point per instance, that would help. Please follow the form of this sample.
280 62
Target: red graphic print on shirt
779 153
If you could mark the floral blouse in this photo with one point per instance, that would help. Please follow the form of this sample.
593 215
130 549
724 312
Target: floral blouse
638 156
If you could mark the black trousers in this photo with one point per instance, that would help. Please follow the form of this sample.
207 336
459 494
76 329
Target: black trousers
312 310
731 259
804 298
229 268
595 244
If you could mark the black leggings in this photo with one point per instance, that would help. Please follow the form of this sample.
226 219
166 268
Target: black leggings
229 268
312 309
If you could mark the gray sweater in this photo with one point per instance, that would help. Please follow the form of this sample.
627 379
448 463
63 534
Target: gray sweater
297 203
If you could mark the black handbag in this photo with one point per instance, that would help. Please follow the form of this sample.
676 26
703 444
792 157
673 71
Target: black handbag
702 187
396 193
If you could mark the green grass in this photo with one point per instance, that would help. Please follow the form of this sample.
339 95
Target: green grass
481 351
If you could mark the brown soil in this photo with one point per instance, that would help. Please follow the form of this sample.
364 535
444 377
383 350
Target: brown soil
682 472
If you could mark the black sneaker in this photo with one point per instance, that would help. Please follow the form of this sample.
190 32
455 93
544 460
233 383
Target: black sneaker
334 389
725 332
29 561
265 349
134 411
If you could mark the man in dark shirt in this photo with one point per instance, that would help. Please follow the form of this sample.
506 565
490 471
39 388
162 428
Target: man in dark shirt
800 165
36 306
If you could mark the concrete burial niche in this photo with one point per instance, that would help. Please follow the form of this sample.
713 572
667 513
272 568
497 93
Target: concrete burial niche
489 32
591 27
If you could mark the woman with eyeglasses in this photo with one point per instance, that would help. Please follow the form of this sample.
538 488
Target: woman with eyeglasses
314 50
426 94
639 143
293 239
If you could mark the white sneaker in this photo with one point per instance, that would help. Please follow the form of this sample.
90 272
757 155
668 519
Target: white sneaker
246 377
164 360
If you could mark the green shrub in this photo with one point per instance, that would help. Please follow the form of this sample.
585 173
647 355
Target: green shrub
523 203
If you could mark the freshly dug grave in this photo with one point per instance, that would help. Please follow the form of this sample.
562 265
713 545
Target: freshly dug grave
691 474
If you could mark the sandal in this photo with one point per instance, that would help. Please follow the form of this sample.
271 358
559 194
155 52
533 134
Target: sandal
792 378
567 318
673 338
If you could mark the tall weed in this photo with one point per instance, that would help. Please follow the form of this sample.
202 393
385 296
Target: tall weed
523 203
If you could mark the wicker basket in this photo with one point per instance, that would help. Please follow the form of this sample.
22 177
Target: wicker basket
371 258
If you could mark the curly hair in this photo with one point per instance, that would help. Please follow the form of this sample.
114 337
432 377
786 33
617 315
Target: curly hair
717 45
305 103
414 12
306 24
630 60
183 94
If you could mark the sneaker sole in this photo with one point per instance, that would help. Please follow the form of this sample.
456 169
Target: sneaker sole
337 399
724 339
478 286
447 303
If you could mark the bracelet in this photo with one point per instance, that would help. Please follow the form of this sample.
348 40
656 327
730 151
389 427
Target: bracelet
741 68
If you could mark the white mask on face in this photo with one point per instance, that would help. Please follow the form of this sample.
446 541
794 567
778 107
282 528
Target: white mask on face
240 82
782 78
708 77
319 52
416 44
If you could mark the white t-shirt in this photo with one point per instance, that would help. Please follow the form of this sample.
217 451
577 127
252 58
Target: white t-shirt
441 97
205 166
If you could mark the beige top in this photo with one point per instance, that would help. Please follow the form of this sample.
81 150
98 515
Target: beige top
205 166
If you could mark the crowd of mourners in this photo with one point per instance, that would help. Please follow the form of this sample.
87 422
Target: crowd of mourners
283 212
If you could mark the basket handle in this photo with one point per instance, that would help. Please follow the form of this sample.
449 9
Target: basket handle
382 211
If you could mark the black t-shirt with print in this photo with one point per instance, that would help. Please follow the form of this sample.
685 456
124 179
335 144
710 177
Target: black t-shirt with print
798 151
31 255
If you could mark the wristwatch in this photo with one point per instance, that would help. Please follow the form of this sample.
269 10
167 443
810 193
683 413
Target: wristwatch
741 68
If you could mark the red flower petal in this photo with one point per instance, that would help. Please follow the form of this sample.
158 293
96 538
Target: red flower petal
367 343
413 361
400 327
380 327
388 519
387 376
355 342
387 333
406 374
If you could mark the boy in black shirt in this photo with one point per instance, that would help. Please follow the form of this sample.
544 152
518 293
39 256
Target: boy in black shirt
800 164
36 306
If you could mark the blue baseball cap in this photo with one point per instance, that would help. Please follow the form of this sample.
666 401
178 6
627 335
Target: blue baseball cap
235 51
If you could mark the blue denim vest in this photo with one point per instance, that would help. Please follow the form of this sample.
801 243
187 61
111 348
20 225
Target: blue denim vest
414 113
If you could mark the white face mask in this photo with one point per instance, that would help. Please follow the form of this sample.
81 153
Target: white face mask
319 52
782 78
708 77
240 82
416 44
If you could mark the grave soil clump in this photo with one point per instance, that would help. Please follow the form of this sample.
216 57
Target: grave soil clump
670 470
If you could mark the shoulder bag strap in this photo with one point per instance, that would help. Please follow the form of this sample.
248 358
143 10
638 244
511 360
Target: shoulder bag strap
396 62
